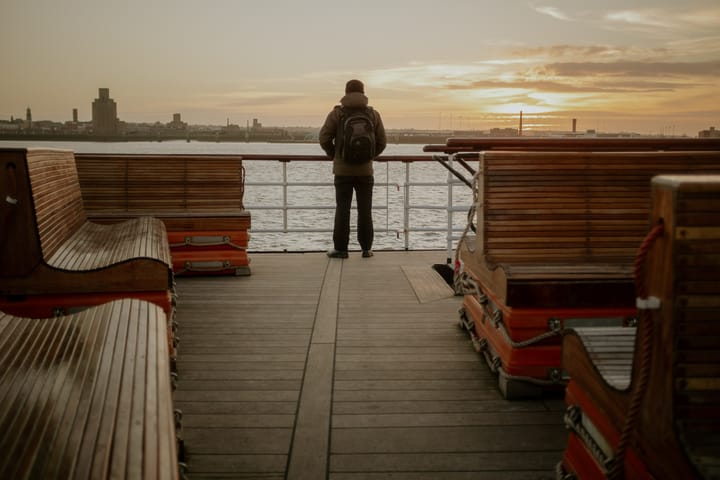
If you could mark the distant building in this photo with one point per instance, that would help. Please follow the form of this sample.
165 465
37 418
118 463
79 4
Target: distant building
177 123
505 132
254 133
104 114
9 127
712 133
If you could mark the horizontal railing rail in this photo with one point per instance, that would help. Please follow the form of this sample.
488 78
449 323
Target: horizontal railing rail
579 144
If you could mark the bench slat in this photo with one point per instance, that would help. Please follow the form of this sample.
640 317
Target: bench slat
73 399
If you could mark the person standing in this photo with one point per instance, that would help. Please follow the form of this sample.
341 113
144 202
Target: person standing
353 135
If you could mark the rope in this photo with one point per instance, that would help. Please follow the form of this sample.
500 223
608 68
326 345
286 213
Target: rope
470 224
492 313
639 267
494 362
242 186
616 469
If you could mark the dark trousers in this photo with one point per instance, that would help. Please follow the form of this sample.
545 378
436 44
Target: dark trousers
363 187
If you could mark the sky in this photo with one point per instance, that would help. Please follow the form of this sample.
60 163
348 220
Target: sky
644 66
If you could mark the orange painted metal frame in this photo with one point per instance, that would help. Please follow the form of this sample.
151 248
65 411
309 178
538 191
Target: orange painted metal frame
233 258
47 306
239 240
532 361
577 458
523 324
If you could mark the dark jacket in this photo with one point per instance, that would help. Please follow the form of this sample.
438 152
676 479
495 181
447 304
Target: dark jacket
328 134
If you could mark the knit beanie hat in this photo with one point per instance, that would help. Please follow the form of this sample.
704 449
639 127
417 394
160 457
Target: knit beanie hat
354 86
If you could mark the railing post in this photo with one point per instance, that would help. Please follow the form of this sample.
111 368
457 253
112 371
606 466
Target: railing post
449 237
406 213
285 197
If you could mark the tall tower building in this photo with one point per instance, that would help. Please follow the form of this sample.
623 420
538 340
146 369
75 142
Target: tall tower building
104 114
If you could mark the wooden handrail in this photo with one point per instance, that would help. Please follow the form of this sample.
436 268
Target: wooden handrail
254 157
455 145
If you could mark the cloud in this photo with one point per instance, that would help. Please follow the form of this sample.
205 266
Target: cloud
553 12
687 20
585 51
591 86
647 18
635 69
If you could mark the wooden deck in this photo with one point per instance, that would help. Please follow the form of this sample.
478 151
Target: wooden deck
315 368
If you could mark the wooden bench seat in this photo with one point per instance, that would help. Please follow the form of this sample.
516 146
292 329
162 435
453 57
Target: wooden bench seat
556 238
50 248
676 394
87 395
193 195
611 351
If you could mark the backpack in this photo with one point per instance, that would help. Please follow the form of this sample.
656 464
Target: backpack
356 135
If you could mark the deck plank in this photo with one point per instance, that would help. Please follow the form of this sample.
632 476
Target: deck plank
397 389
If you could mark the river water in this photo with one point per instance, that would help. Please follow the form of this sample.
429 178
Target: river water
389 193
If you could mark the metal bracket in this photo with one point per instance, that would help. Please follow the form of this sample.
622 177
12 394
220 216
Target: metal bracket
443 160
649 303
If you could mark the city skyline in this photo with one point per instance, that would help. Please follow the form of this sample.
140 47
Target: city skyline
644 66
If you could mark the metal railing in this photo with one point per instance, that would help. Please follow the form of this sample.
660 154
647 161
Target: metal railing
286 187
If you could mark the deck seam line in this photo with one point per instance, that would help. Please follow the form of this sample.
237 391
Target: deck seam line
308 456
302 382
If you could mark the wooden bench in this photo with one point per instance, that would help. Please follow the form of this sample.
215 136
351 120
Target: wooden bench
199 198
557 233
53 259
654 410
87 395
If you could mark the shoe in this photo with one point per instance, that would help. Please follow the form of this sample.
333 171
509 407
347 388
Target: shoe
337 253
367 253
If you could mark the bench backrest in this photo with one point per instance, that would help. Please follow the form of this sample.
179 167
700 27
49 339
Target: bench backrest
571 207
46 206
683 395
154 184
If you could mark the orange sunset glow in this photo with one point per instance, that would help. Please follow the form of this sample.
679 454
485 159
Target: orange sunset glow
649 67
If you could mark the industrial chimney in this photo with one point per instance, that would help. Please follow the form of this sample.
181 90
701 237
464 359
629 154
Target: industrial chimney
520 128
